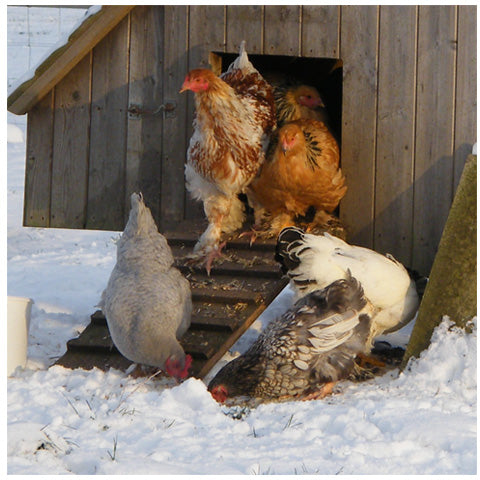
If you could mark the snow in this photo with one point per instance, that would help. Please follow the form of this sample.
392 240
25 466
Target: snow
61 421
41 14
14 134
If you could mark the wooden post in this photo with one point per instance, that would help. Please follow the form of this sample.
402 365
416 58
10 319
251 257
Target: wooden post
452 287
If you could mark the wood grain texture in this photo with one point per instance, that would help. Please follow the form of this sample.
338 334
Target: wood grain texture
433 191
320 34
395 132
71 148
106 176
358 50
175 139
38 172
144 137
244 22
282 30
466 89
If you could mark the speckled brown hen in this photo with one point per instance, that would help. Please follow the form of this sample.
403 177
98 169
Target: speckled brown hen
301 171
234 114
302 354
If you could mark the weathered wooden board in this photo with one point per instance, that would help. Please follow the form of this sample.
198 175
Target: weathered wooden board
175 139
38 172
145 92
245 22
70 148
106 176
282 30
465 89
360 72
395 132
321 31
433 183
225 304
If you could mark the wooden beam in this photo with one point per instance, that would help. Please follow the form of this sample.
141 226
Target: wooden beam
359 53
62 60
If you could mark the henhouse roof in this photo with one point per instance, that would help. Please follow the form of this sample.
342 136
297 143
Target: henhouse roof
37 83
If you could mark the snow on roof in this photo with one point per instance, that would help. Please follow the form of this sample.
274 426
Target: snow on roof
30 74
98 21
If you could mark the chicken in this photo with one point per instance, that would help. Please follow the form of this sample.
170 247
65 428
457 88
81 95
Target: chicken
304 352
235 113
299 101
314 261
301 171
147 301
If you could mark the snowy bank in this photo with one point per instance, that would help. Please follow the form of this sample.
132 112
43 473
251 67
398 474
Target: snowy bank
420 422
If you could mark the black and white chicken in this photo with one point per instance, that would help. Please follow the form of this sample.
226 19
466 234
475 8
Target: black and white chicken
314 261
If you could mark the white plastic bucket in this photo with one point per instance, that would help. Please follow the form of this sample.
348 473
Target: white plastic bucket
18 323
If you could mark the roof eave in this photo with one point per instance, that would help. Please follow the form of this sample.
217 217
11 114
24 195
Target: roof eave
62 60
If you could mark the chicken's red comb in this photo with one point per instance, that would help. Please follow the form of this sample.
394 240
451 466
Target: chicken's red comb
172 367
188 364
219 393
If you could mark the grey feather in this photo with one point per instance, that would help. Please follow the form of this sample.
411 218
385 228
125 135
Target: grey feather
147 301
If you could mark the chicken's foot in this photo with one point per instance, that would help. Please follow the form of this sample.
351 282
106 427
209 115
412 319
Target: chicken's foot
325 390
253 233
212 255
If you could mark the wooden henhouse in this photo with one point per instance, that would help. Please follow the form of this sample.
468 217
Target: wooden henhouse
105 117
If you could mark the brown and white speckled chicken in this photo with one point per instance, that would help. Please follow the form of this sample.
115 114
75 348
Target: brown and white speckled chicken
301 171
303 353
234 114
147 301
314 261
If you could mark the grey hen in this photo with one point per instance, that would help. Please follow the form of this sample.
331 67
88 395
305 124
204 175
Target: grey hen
147 302
304 352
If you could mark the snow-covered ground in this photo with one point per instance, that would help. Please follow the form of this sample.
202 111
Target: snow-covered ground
421 421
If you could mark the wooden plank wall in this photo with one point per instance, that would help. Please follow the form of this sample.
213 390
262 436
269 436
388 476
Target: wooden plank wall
408 115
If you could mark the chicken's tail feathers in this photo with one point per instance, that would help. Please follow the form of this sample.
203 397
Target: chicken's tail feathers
346 292
242 62
289 241
296 251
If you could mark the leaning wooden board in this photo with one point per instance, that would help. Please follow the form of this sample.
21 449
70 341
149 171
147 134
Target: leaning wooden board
240 287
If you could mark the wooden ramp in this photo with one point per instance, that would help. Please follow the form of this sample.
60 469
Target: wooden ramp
241 285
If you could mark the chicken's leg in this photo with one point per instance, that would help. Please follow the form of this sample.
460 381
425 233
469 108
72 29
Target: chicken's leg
225 214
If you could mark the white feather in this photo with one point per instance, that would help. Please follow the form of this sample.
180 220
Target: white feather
242 62
385 281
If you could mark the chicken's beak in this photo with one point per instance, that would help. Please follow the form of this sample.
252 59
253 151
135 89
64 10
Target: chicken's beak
185 87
